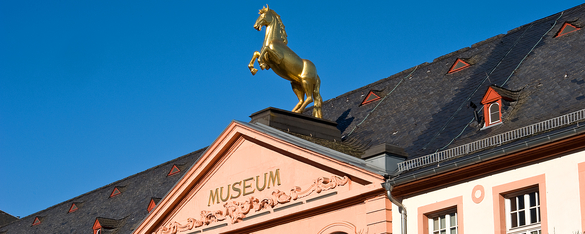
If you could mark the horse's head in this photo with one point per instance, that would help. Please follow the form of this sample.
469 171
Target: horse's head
266 17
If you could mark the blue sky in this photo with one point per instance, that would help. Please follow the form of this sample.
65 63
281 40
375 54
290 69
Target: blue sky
92 92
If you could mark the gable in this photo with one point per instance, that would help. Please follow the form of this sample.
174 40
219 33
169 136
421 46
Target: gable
248 173
490 96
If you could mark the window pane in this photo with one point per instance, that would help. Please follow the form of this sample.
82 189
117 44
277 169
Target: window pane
533 218
521 218
442 222
453 220
514 219
532 199
435 224
521 202
453 231
443 232
495 112
513 204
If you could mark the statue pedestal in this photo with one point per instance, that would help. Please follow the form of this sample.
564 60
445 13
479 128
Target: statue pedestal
297 123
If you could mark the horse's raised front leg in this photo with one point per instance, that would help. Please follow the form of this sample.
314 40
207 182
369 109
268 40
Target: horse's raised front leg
251 65
261 57
298 89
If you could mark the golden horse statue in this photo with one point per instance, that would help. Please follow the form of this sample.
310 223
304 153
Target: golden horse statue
275 54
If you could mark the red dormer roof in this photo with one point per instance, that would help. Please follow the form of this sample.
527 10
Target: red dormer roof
495 93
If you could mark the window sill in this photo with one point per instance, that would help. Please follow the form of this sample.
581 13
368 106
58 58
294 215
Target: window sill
493 125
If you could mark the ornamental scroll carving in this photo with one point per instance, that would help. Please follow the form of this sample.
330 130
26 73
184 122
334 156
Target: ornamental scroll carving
235 211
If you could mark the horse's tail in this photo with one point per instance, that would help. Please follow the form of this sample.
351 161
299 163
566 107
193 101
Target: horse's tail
318 101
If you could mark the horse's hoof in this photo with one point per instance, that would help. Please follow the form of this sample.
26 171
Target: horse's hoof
253 70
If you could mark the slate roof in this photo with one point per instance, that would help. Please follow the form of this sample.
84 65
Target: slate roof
6 218
514 95
423 109
121 213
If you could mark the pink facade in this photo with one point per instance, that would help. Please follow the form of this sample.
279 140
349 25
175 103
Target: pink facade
252 182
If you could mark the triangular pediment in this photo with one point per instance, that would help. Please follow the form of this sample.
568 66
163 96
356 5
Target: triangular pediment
250 175
490 96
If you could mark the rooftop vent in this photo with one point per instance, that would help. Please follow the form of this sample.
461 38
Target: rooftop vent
117 191
459 65
566 29
37 221
107 224
371 97
175 170
152 204
73 208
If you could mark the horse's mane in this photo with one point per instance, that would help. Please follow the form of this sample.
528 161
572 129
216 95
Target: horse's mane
279 22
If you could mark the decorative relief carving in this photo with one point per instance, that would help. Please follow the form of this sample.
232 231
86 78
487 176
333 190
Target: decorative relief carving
237 210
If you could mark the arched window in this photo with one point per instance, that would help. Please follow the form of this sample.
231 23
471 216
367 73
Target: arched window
494 112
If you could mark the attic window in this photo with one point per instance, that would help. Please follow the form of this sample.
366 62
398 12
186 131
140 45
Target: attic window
371 97
495 116
115 192
37 221
458 66
101 224
97 227
174 170
566 29
493 101
152 204
73 208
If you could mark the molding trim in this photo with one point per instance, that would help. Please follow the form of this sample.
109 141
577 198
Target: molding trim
237 210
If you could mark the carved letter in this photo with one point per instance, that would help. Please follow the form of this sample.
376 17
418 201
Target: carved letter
228 193
248 186
274 178
213 198
263 185
236 189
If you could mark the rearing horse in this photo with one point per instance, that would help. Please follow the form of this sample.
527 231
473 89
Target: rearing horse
275 54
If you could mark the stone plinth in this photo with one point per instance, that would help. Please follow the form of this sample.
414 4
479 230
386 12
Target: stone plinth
297 123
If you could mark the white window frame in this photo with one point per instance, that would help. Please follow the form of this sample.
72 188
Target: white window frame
490 113
448 215
529 227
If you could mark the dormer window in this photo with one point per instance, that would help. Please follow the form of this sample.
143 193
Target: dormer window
372 96
174 170
37 221
495 116
566 29
152 204
458 65
117 191
73 208
493 101
106 225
